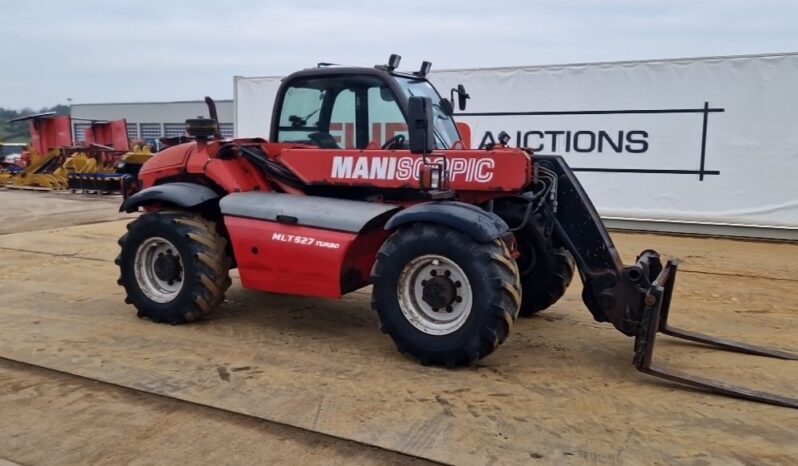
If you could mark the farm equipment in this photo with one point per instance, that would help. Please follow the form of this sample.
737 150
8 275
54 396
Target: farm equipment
56 163
100 166
365 180
50 133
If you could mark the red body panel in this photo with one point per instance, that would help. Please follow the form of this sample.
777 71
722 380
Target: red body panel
234 175
500 170
200 160
50 133
303 261
166 164
112 134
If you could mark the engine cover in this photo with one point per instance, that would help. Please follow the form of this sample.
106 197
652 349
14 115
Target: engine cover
304 245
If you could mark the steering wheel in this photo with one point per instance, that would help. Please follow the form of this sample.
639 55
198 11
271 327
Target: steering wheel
396 141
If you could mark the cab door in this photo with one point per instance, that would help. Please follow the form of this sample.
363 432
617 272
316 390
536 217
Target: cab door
339 112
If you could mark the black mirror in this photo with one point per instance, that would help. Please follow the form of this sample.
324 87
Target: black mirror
462 96
420 125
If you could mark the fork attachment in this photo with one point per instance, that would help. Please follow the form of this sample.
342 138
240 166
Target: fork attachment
634 298
654 319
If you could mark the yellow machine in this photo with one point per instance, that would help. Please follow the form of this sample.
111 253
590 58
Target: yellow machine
97 166
43 172
50 134
86 175
8 163
137 156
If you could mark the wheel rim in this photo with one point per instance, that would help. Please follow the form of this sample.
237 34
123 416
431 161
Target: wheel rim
434 294
159 269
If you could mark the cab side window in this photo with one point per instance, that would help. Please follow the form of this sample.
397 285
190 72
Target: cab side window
351 112
299 116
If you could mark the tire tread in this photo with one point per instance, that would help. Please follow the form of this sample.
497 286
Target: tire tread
505 294
207 248
555 266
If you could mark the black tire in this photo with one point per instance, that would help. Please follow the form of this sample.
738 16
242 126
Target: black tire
546 269
201 273
492 277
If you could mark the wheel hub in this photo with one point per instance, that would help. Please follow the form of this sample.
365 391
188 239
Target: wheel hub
167 267
439 292
434 294
159 269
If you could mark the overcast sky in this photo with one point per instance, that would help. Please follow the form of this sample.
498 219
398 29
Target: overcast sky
144 50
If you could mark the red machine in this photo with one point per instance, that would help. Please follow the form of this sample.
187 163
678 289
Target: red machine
49 132
55 162
110 136
455 242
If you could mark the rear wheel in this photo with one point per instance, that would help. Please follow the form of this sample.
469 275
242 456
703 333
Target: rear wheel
443 297
546 269
174 266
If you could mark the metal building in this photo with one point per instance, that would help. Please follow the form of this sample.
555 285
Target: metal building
151 120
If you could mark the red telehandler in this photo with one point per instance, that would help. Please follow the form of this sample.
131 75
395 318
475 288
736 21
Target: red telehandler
364 181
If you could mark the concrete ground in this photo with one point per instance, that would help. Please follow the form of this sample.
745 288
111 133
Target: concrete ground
51 418
22 210
326 384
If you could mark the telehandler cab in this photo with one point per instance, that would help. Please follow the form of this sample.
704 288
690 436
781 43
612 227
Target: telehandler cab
365 181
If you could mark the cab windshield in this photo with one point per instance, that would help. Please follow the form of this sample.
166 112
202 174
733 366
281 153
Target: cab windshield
445 130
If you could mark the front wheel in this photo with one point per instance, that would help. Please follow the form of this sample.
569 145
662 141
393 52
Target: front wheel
443 297
546 269
174 266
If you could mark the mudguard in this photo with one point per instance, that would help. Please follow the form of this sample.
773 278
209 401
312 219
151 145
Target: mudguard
481 225
181 194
